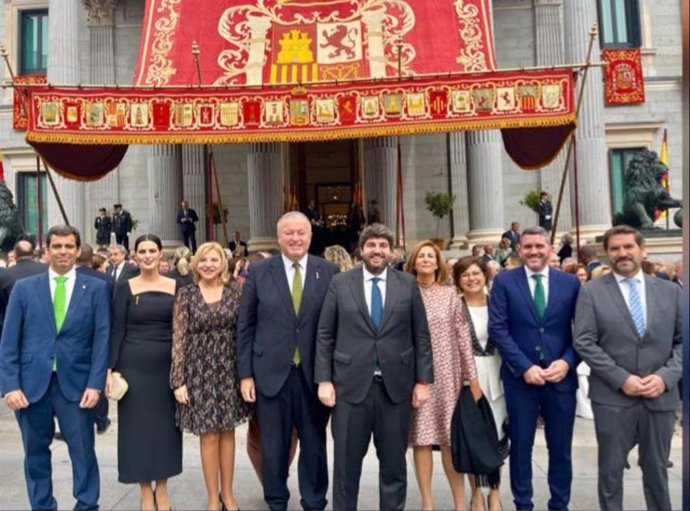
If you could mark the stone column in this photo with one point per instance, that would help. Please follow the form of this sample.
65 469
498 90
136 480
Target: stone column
550 51
485 186
593 179
64 68
194 184
164 169
457 163
265 183
380 168
106 191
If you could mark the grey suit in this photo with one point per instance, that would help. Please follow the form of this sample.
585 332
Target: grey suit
348 347
606 338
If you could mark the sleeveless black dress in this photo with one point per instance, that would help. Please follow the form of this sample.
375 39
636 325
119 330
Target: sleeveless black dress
149 444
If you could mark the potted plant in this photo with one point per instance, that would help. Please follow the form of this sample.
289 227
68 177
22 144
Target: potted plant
531 200
440 204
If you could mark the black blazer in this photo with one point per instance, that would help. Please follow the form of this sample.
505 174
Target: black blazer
348 344
232 245
187 227
268 330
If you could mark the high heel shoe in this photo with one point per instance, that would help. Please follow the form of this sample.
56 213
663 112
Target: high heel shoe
222 504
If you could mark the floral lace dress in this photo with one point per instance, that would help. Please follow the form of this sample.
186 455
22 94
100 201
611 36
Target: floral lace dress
204 358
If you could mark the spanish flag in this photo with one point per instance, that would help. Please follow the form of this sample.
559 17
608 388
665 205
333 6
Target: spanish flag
2 169
663 157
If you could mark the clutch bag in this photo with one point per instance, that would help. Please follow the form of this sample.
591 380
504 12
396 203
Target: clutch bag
119 386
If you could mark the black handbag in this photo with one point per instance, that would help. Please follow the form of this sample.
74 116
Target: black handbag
474 441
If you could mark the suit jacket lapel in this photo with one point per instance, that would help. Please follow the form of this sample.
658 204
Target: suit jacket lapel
523 286
311 280
617 298
393 290
46 300
357 289
281 283
650 284
553 293
78 293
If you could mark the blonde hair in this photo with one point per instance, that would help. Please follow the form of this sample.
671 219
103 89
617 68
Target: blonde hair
600 271
441 275
201 252
338 255
181 260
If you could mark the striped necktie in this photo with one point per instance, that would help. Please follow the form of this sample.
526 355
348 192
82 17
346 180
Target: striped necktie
635 307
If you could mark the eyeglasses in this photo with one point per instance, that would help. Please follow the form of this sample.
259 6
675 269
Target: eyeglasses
470 275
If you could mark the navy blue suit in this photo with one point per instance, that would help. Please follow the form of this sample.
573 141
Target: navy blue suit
523 341
268 330
186 220
29 346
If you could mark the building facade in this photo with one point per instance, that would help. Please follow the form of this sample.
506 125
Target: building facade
96 42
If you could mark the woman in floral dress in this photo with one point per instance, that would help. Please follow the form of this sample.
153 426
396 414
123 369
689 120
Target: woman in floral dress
453 365
204 370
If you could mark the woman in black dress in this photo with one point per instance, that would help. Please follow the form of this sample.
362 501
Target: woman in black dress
204 369
149 444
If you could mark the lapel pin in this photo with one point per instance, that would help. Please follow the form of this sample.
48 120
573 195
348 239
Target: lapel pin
317 275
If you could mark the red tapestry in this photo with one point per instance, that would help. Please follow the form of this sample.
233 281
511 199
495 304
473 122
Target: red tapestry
275 42
19 118
624 77
284 113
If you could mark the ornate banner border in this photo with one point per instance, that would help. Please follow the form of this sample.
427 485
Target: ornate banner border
624 77
130 115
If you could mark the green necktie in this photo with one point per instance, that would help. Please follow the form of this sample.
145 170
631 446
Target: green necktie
539 298
296 300
59 307
60 301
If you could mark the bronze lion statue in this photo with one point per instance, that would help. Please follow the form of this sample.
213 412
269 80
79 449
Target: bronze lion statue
10 225
644 193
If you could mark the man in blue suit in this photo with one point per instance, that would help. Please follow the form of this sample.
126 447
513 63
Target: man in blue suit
276 338
53 361
531 311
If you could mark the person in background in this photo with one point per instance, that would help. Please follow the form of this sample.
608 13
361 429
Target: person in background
579 270
104 226
600 271
513 234
164 266
503 251
120 270
122 225
570 265
628 328
203 373
588 257
545 211
488 253
513 261
149 444
339 256
374 213
237 246
566 248
181 267
492 269
53 320
453 364
187 219
554 260
470 279
99 263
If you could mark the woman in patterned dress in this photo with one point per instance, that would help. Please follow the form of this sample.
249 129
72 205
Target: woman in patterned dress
204 370
453 365
470 277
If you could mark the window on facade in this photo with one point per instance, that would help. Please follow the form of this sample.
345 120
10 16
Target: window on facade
619 23
618 162
27 201
33 44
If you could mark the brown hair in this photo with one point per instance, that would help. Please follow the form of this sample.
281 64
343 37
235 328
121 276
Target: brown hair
463 264
441 275
623 229
375 231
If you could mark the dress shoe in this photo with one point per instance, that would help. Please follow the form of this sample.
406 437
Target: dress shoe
102 428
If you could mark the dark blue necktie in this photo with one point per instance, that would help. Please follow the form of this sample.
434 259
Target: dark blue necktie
376 303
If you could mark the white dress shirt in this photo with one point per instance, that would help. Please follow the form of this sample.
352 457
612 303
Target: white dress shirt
290 270
118 270
69 285
641 288
533 283
368 278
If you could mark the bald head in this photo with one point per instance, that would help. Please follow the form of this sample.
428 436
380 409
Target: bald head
23 249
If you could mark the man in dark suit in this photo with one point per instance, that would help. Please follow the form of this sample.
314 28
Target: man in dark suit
545 210
120 270
186 219
122 225
530 321
628 328
488 253
276 334
513 234
373 363
53 361
83 267
25 267
237 246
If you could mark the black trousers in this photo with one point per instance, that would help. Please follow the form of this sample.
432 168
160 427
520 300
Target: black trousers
295 405
190 240
101 411
352 426
122 239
